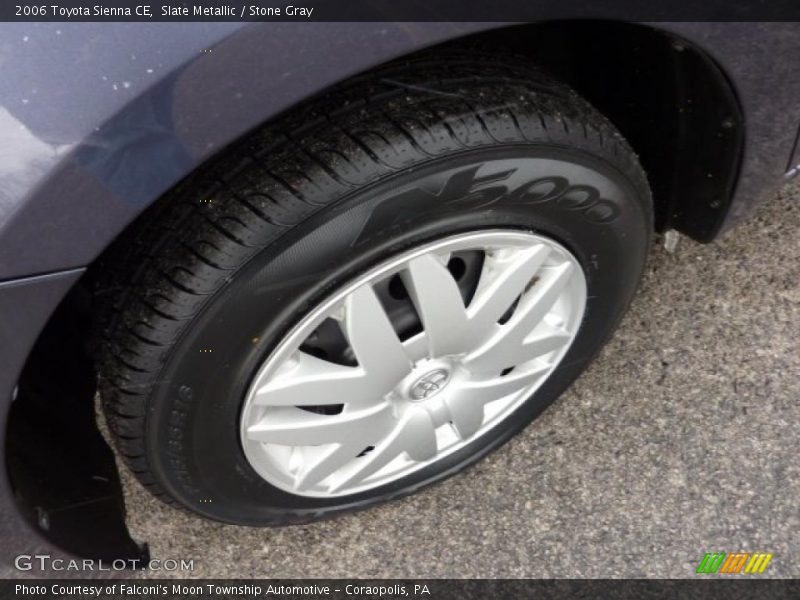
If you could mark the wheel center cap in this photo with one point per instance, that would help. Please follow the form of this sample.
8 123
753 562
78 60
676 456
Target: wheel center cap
429 384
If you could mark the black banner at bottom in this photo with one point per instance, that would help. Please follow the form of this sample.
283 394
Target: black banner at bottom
416 589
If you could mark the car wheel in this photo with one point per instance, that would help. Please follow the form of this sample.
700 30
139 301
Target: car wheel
371 293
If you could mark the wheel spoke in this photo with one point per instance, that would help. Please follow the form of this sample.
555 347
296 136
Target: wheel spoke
297 427
506 281
439 304
416 347
543 343
418 437
374 341
467 406
509 353
312 381
508 347
414 435
332 460
466 412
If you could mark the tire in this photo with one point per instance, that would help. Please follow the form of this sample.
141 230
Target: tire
212 281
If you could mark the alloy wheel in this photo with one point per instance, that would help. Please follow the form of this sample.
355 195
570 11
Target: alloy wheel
418 358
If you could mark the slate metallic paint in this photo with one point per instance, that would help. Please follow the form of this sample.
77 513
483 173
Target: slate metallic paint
98 120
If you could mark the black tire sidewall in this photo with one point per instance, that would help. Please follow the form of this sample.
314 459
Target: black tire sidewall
192 433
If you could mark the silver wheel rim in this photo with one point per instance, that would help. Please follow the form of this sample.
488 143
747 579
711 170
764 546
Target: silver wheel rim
318 428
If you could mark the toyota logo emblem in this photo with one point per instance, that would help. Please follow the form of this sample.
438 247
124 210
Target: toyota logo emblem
429 384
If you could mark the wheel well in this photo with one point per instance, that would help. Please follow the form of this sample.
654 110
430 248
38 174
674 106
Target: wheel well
666 96
669 99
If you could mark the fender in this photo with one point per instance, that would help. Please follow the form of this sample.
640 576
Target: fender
97 145
99 136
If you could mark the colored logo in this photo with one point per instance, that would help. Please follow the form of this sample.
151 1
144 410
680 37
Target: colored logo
734 562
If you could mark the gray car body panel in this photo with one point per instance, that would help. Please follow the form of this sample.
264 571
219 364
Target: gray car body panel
99 120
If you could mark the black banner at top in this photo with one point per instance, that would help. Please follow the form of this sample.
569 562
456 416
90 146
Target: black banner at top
515 11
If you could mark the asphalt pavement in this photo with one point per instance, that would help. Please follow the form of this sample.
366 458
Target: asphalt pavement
680 439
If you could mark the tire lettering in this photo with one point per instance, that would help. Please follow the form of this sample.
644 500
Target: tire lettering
540 191
581 198
466 187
